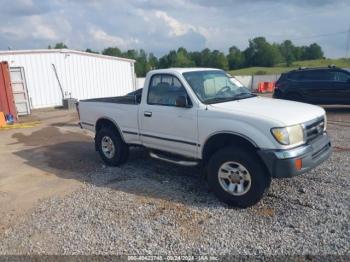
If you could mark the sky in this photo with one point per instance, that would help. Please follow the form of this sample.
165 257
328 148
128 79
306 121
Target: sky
162 25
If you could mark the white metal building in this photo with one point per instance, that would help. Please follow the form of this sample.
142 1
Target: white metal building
51 75
140 81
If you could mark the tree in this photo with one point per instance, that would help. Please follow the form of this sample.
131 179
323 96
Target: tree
131 54
142 66
276 49
152 61
298 52
168 60
287 52
303 53
196 58
163 62
172 58
218 60
261 53
314 51
235 58
88 50
60 46
205 57
182 59
112 51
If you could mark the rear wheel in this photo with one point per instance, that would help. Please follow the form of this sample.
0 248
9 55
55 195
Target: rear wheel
237 177
111 147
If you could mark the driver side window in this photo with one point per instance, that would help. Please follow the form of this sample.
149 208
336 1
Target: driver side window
164 89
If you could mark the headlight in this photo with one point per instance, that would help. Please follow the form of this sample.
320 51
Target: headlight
289 135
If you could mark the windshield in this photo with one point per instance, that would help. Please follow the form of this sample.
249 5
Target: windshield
215 86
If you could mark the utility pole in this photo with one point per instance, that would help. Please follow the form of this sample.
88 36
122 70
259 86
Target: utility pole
348 44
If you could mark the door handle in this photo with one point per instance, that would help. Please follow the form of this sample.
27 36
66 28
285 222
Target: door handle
147 114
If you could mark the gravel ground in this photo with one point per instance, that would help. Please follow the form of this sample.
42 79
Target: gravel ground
150 207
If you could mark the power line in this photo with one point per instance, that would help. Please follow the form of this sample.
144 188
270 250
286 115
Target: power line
288 18
294 17
309 36
321 35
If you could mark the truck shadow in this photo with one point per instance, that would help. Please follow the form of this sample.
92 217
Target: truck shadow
72 155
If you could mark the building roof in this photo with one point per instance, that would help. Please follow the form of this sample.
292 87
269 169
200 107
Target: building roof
63 51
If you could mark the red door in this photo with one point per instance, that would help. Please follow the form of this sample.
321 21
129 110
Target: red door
7 102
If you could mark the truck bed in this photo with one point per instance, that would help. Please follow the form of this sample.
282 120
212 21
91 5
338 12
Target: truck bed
133 98
130 100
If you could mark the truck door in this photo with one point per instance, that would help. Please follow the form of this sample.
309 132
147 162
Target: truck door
163 125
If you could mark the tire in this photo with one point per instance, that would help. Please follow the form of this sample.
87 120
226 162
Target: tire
294 97
110 137
245 160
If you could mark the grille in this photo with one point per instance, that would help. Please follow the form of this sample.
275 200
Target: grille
314 129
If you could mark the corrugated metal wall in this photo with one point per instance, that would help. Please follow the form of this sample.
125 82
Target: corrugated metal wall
81 75
140 82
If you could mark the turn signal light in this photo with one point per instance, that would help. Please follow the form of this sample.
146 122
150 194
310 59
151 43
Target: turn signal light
298 164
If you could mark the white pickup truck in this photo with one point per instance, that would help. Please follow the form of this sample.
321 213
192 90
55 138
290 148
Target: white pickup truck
199 116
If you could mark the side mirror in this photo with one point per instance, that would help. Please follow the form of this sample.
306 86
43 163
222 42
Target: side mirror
181 101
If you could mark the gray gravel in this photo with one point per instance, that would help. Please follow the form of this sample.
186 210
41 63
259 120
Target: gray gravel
150 207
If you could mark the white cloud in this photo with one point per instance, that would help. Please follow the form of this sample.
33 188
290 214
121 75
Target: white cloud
110 40
176 27
32 27
41 29
11 32
162 25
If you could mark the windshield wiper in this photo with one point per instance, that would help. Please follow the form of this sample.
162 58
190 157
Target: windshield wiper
227 99
244 95
218 100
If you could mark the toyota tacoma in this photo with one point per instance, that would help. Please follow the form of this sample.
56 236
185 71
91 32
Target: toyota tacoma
199 116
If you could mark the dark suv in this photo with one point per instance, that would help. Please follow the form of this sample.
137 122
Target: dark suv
315 85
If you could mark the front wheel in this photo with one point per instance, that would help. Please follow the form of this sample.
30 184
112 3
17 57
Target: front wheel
237 177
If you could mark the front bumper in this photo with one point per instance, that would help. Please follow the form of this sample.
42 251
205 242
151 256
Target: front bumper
281 163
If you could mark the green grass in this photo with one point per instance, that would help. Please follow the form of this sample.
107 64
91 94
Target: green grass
280 68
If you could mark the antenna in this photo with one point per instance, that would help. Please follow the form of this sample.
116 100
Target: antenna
348 44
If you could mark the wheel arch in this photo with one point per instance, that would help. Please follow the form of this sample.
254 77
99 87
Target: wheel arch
219 140
108 122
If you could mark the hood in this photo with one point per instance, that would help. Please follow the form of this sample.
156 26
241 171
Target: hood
282 111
